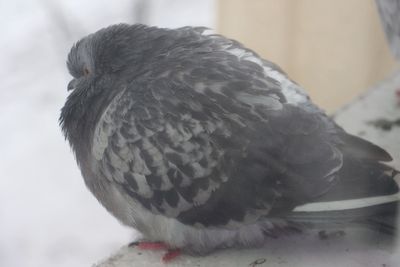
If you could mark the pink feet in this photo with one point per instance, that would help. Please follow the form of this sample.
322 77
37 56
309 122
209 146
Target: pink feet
151 245
168 256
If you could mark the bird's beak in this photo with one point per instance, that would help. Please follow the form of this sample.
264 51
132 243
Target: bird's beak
71 85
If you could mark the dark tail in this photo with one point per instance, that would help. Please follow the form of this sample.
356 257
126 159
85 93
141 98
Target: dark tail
367 194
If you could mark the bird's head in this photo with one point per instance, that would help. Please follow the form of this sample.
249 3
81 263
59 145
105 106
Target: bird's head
100 64
107 52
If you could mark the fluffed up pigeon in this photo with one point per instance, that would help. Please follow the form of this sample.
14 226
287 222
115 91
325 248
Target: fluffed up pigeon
198 142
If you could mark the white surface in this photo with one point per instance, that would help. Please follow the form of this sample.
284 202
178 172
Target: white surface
357 248
351 250
47 216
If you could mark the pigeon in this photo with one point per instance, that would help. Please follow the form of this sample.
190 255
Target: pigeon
199 143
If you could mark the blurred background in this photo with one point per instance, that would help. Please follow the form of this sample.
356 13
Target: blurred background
334 49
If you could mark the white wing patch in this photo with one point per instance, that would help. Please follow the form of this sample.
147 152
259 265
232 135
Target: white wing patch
347 204
294 94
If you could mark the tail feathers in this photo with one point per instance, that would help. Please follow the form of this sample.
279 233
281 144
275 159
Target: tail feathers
375 203
359 148
361 180
381 218
385 222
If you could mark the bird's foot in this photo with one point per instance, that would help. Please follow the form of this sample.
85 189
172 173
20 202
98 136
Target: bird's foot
170 255
149 245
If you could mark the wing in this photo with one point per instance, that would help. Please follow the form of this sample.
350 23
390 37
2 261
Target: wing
217 139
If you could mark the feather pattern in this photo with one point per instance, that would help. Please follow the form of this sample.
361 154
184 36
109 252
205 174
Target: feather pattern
211 150
197 141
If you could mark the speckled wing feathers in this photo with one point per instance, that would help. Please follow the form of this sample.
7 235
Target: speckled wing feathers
215 140
163 160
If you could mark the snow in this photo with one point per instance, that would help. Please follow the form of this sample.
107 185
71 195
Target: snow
47 216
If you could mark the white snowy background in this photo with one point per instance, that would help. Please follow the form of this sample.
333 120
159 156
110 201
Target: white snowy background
47 216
